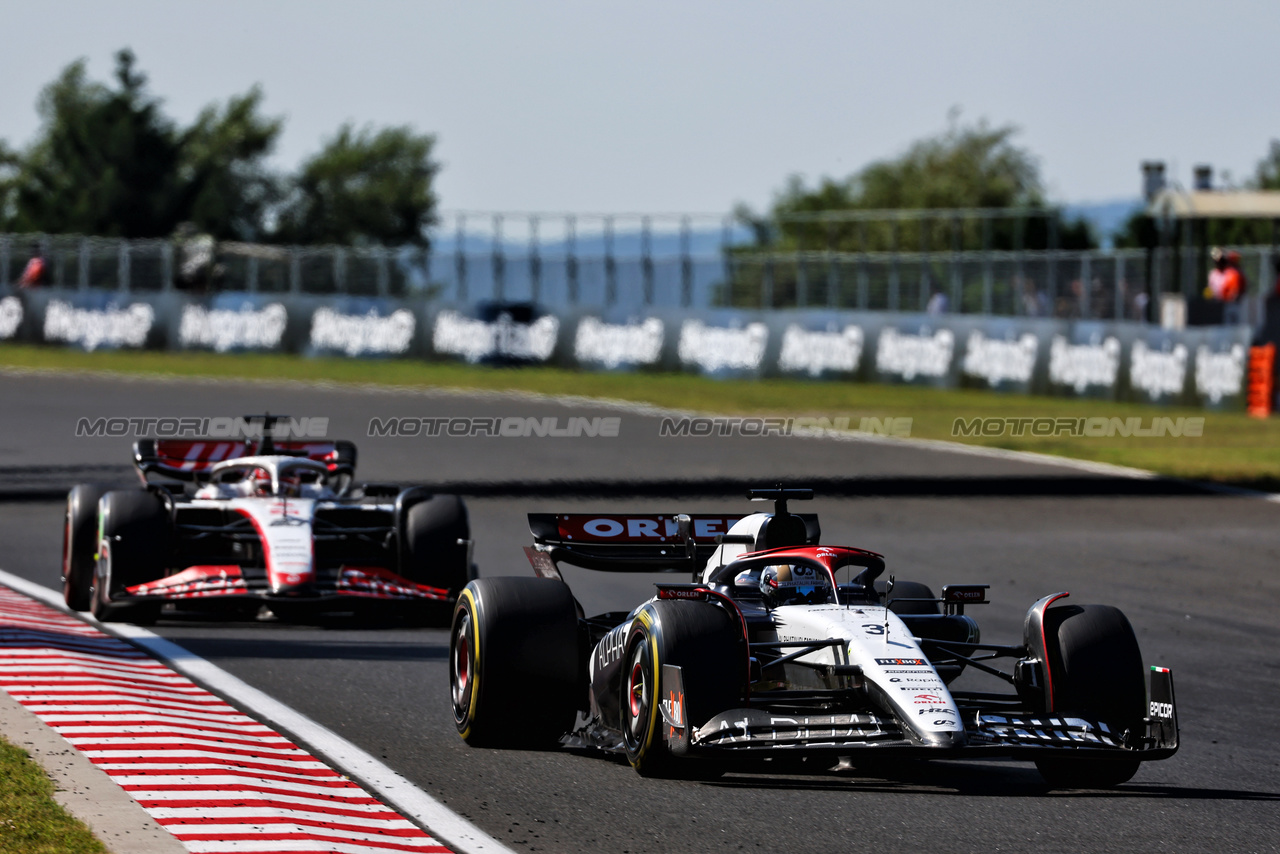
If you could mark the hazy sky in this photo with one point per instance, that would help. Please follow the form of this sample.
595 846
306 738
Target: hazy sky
658 106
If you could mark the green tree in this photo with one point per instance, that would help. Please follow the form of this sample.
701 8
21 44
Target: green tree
105 161
365 187
966 166
226 187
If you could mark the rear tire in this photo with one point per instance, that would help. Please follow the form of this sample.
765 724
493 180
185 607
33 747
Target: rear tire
702 640
1096 667
514 671
80 544
136 541
431 552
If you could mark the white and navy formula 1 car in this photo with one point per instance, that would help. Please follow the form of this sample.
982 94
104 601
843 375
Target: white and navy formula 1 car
782 647
236 524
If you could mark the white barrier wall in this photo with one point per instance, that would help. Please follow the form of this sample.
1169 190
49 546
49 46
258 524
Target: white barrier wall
1202 366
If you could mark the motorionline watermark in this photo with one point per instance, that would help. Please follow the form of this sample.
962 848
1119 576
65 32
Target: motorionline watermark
511 427
703 427
1096 427
178 427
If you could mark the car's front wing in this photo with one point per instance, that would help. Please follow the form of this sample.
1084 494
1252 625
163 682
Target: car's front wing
219 582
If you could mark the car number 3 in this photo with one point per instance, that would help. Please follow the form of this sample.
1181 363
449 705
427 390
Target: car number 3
873 628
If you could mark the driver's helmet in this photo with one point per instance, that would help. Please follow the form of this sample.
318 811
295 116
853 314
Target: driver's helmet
261 480
794 584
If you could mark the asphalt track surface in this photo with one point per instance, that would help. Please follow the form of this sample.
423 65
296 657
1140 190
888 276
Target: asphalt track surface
1197 573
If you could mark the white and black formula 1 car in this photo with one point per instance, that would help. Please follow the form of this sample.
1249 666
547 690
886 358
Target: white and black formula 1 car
232 525
784 648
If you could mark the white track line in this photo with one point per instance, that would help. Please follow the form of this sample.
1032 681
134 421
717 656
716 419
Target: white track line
388 785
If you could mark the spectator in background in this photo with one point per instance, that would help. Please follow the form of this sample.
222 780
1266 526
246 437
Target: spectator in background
938 303
36 272
1035 302
1234 286
1214 289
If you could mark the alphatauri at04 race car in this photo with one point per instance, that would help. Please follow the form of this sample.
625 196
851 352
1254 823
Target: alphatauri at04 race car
783 648
222 525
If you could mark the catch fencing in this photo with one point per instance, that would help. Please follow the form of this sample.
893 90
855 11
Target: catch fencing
684 269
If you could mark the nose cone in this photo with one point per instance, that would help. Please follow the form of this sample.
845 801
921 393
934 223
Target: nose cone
943 740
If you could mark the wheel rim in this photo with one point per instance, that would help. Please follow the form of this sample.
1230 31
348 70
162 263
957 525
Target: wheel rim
460 671
638 702
66 549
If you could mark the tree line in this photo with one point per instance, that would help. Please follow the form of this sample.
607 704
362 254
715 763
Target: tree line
108 161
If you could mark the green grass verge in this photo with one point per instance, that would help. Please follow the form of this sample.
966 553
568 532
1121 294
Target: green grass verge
31 821
1234 448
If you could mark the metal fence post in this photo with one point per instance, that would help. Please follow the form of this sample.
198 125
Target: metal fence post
499 261
339 262
251 274
646 259
535 261
894 282
957 280
123 267
610 265
384 271
686 263
571 257
988 283
833 269
1086 287
802 283
295 271
864 275
4 260
82 281
926 277
166 267
766 283
1122 288
460 259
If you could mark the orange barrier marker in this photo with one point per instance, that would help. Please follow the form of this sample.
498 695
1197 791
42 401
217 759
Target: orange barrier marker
1261 389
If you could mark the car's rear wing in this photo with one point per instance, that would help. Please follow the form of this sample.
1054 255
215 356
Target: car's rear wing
191 459
637 542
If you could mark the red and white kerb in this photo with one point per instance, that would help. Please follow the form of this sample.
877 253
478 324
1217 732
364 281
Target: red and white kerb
214 777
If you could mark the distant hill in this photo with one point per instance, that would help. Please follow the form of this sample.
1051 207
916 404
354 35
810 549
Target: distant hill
1107 218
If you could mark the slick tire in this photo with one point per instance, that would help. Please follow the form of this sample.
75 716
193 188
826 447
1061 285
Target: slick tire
431 553
80 544
137 536
514 664
704 641
910 590
1096 668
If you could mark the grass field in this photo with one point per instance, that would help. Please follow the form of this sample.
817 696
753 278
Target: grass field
31 822
1233 447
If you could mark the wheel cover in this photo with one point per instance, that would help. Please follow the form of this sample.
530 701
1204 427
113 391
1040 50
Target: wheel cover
637 705
460 674
66 549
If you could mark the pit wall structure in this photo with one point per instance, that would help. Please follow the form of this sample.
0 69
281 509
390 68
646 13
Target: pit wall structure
1098 359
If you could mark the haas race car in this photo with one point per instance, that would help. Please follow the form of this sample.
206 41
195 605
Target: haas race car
233 525
782 647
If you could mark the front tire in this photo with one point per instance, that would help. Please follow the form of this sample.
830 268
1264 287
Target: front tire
136 541
514 668
1096 667
80 544
704 641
